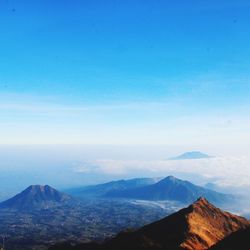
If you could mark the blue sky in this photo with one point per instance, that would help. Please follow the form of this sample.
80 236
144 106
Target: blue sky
124 72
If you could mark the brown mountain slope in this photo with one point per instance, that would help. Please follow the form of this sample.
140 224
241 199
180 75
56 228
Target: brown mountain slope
239 240
208 225
196 227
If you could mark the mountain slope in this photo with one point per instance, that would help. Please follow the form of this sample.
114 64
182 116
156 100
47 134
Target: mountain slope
197 227
102 189
191 155
170 188
235 241
36 196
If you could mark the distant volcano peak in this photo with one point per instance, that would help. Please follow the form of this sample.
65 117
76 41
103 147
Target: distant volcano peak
39 188
169 178
191 155
36 196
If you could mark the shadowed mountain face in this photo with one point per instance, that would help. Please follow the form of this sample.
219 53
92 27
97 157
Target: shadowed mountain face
239 240
191 155
170 188
197 227
36 196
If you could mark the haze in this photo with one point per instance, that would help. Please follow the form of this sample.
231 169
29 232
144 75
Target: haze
93 91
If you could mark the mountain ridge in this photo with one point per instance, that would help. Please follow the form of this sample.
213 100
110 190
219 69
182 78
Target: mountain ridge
196 227
170 188
100 190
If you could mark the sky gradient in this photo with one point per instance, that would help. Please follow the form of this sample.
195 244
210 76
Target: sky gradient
125 72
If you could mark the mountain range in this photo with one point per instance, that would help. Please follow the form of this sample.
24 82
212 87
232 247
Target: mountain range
200 226
169 188
101 190
41 216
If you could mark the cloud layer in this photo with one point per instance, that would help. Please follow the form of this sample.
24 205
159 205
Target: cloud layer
223 171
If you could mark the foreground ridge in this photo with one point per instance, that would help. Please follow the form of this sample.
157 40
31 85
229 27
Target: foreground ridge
197 227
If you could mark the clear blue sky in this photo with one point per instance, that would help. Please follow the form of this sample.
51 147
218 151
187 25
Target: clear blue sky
124 72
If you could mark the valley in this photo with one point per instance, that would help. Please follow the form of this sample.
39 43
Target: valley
82 221
41 216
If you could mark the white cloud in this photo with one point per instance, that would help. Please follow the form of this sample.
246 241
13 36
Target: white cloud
224 171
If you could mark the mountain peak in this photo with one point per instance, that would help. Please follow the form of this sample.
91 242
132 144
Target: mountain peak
39 188
191 155
202 201
207 222
199 226
171 188
36 196
169 178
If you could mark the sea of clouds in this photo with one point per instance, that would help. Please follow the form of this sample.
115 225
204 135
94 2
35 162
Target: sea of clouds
221 171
